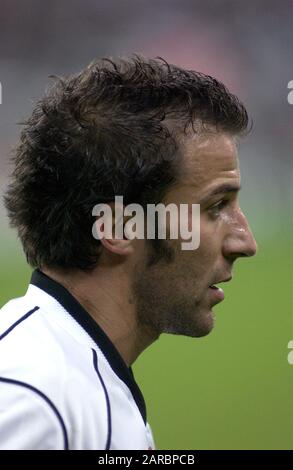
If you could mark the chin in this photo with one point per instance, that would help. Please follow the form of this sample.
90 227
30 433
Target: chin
204 324
200 326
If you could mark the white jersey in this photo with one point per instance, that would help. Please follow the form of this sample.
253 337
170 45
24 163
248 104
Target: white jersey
63 384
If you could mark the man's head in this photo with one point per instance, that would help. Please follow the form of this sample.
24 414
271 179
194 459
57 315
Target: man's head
151 132
177 296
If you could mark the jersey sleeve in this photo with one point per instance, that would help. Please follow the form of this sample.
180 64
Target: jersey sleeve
28 419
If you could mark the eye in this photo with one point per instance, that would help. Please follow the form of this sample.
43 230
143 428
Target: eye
216 208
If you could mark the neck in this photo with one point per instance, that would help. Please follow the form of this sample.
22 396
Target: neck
106 295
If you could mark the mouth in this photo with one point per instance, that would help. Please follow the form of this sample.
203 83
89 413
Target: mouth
217 292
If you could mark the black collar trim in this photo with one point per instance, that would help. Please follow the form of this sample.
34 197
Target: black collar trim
73 307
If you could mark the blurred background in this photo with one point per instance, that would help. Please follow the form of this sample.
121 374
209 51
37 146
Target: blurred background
232 389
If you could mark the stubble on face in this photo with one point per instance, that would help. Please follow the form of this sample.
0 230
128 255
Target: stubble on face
168 298
172 292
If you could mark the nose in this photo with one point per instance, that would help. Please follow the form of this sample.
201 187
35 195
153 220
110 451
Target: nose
240 241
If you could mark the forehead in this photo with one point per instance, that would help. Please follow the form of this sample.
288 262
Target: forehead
209 160
208 157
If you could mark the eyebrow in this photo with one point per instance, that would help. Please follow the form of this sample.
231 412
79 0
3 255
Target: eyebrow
222 189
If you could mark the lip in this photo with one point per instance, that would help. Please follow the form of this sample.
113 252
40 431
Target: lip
217 293
227 279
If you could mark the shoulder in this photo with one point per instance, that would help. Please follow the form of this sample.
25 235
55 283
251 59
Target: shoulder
29 419
51 374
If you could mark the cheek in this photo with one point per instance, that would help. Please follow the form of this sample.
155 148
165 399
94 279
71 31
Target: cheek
211 236
199 259
192 269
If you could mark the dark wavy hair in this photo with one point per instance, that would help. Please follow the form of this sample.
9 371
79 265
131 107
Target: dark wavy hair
100 133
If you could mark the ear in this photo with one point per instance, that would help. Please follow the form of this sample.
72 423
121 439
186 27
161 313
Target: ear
120 245
123 247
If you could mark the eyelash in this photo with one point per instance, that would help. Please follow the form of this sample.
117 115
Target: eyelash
219 205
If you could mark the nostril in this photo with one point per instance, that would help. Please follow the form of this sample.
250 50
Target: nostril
252 250
239 245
